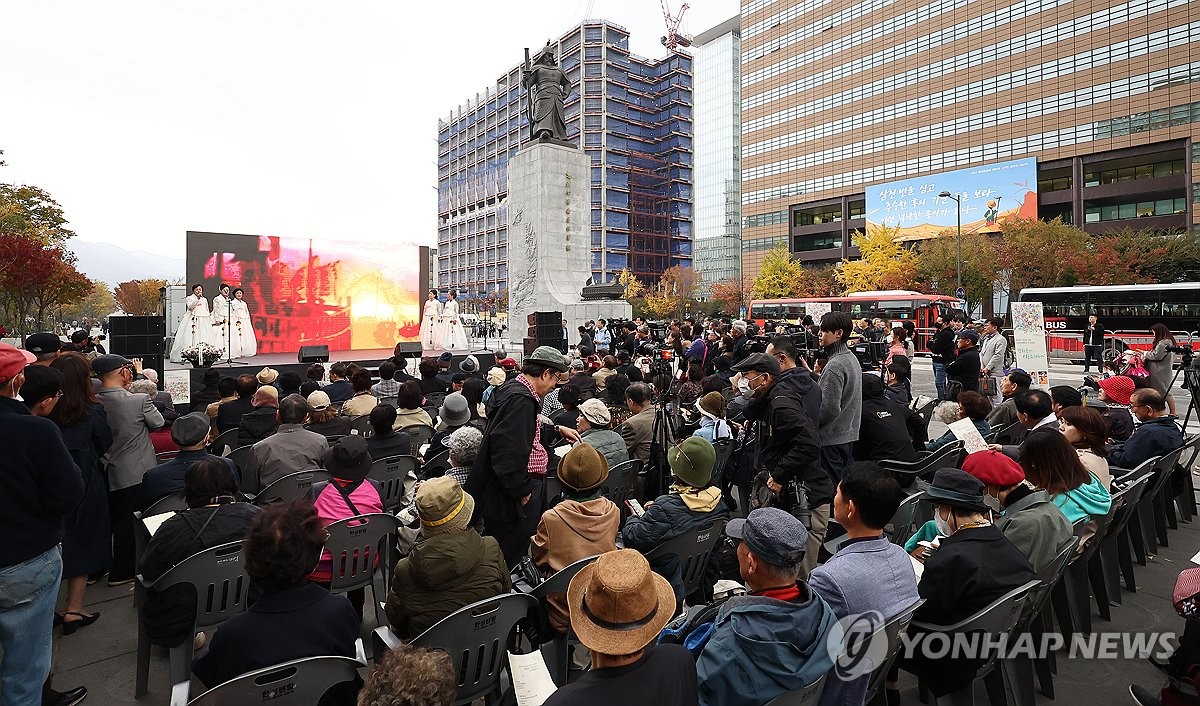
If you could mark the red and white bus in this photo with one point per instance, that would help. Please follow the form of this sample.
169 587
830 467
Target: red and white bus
894 305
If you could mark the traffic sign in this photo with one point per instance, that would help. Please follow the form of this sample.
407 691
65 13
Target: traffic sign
960 293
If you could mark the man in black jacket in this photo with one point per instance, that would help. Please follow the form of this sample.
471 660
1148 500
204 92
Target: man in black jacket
799 380
229 414
789 443
884 432
509 475
1093 345
941 352
965 368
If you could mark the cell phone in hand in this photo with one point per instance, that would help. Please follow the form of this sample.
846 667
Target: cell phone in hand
635 507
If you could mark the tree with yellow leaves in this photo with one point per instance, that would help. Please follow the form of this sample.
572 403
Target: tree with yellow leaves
885 263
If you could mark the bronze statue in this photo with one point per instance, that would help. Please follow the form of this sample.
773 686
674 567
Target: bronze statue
548 88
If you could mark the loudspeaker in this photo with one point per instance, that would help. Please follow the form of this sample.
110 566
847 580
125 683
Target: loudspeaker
546 327
136 326
530 345
313 354
408 349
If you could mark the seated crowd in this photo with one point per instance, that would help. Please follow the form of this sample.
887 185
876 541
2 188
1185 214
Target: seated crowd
778 460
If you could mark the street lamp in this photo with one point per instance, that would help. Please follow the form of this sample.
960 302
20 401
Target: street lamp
958 214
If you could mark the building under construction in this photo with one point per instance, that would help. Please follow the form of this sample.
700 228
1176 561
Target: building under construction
635 117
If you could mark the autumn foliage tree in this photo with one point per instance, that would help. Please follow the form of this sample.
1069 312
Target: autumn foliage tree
675 292
885 263
139 297
730 295
937 265
779 276
97 304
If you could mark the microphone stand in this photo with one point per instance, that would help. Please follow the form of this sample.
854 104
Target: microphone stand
229 336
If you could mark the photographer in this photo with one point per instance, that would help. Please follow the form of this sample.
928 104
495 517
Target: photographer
790 448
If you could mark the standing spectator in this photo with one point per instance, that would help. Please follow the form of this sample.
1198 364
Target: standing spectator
602 338
868 576
789 445
452 567
363 401
618 607
86 544
584 524
208 394
991 354
386 442
1005 414
1160 362
131 417
263 420
738 349
323 418
799 380
510 473
1093 345
291 449
781 636
387 386
963 372
593 426
941 350
42 486
899 346
841 400
190 432
229 414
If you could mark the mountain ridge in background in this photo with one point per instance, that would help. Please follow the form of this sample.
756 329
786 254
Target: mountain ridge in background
105 262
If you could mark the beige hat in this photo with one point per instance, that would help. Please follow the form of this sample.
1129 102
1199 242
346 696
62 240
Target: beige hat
266 376
443 506
265 396
318 401
596 413
583 469
618 605
496 376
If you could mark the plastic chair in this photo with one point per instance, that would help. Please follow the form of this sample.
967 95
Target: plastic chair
558 656
891 631
692 549
175 502
225 442
1186 500
906 520
724 449
1021 668
391 473
361 425
1163 513
389 401
996 620
1148 508
218 576
1115 558
1009 434
241 456
475 637
436 465
810 694
906 472
356 545
420 435
293 486
619 486
301 681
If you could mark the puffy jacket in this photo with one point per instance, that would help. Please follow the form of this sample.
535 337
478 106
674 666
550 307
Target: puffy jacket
1088 500
257 425
442 574
568 532
762 647
500 476
789 443
1151 438
609 443
669 517
884 431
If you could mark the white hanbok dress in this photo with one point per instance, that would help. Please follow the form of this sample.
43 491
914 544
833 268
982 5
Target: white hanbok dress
243 343
430 330
454 337
195 327
220 311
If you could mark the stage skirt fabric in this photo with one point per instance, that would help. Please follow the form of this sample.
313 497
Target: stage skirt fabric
220 314
454 336
243 344
430 339
196 326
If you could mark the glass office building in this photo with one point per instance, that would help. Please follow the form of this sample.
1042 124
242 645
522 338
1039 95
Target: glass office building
635 118
717 56
840 95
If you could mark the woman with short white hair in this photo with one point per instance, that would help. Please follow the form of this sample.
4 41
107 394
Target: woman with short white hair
464 446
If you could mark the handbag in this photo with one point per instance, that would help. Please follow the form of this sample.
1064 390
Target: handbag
987 386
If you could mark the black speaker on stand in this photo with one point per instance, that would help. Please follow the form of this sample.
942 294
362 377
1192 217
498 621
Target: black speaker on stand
544 327
139 337
313 354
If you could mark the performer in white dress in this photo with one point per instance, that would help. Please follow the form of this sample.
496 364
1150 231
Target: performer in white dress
243 342
429 322
195 326
453 337
220 317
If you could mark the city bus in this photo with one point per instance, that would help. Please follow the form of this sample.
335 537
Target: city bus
894 305
1127 311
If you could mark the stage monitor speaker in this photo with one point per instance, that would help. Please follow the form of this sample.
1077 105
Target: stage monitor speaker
313 354
408 349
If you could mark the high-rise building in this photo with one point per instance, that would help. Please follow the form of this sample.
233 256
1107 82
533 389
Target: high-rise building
635 117
839 96
717 56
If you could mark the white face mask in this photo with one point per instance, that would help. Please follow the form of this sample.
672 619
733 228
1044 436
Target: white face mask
744 387
943 526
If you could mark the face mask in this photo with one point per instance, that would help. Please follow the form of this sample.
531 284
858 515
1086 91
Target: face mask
943 526
744 387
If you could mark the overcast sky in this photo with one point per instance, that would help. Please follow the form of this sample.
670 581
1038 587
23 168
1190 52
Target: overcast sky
148 119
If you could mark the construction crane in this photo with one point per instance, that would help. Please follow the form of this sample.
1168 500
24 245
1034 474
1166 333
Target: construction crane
673 39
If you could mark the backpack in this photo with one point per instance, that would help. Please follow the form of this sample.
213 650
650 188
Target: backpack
693 627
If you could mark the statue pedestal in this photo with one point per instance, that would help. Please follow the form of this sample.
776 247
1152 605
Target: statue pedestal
550 238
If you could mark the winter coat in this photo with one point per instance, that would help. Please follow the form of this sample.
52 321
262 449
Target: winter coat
568 532
884 432
1160 363
442 574
609 443
500 477
964 370
1154 437
257 425
1035 525
670 516
789 444
762 647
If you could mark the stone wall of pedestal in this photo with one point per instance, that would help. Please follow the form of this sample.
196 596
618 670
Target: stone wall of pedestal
550 238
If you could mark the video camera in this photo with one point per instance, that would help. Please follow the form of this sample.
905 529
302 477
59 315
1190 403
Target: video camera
1185 352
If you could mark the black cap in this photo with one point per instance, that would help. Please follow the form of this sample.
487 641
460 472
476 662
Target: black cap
107 363
759 362
348 459
43 344
957 488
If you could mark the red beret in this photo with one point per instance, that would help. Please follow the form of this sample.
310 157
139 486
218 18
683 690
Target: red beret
1117 388
994 468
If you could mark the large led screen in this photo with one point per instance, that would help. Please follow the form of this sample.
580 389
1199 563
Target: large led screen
347 295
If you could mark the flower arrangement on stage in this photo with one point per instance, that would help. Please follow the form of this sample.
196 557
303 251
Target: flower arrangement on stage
202 355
